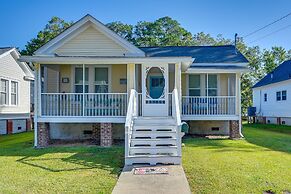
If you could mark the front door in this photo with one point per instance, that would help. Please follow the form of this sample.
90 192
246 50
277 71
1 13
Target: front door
155 90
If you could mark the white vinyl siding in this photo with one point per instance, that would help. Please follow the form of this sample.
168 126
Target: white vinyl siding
11 71
91 42
273 107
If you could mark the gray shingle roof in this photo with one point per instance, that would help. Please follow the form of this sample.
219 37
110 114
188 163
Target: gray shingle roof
4 49
281 73
202 54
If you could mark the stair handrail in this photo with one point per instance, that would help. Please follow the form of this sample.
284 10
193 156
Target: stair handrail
177 116
131 112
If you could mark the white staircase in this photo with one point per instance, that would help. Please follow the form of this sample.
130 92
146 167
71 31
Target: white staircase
152 140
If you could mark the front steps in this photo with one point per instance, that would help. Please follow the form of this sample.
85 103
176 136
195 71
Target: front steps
153 140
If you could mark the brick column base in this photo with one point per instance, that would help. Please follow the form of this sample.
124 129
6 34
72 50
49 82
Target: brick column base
9 127
96 132
28 124
234 132
105 134
43 135
279 120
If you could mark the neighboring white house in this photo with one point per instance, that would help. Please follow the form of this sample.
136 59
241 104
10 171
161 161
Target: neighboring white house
271 96
92 84
15 78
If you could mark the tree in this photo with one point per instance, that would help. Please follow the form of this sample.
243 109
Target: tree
54 27
123 30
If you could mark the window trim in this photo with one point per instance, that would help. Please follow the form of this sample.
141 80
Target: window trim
108 76
207 83
91 76
282 95
280 99
265 97
9 104
188 84
74 79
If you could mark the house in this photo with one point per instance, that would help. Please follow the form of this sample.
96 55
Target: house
92 84
15 80
270 96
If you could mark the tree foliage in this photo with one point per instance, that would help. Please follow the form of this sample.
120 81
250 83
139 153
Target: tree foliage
54 27
168 32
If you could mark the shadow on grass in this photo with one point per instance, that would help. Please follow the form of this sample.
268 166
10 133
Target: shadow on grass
259 137
60 159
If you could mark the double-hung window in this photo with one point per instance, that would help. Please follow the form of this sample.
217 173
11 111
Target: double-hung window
101 80
4 92
194 85
211 85
79 80
265 97
284 95
278 96
14 93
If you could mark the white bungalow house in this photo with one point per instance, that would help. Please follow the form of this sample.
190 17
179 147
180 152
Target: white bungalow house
93 84
271 96
15 78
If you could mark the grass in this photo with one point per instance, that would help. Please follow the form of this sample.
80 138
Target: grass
81 169
259 163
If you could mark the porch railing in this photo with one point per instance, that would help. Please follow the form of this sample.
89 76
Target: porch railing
88 104
211 105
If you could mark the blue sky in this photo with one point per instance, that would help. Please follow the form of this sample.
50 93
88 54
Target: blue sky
21 20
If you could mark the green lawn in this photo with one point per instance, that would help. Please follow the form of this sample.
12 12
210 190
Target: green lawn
261 162
24 169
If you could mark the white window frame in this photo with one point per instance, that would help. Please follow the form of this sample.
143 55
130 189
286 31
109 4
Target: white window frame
91 77
265 97
280 92
9 92
188 84
6 92
108 76
206 84
74 78
16 94
282 95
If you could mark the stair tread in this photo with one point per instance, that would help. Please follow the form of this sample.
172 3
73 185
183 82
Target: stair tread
155 139
150 156
153 147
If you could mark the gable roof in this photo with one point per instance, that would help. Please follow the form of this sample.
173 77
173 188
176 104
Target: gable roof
16 55
76 28
281 73
202 54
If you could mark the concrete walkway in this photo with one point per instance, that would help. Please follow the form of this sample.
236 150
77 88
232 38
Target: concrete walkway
174 182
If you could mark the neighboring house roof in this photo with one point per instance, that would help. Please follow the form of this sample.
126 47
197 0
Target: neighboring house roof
15 54
281 73
4 50
202 54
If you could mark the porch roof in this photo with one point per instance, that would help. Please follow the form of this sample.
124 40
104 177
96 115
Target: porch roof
186 61
217 69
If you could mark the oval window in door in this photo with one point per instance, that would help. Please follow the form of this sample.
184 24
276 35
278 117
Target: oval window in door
155 83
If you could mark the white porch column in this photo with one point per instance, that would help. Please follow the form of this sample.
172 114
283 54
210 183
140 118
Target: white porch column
130 77
37 85
178 81
238 100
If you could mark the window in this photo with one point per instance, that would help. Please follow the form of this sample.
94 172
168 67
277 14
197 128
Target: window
265 97
211 90
79 80
14 93
194 85
278 96
4 92
284 95
101 80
